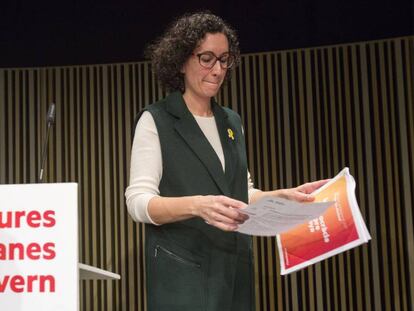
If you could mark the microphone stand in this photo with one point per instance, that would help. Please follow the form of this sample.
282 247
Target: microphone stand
50 122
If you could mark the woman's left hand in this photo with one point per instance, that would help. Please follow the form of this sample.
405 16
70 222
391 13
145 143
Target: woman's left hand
303 192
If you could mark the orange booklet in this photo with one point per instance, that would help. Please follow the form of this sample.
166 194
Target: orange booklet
340 228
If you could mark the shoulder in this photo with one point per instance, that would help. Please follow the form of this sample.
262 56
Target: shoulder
231 113
232 116
146 119
147 116
172 103
155 109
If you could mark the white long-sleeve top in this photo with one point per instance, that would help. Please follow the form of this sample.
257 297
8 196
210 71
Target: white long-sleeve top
146 164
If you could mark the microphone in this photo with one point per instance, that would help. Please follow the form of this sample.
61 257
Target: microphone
50 119
51 114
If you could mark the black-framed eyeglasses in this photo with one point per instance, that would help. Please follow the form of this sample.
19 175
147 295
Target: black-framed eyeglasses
208 60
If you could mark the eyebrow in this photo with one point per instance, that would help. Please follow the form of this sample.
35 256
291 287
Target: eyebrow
203 52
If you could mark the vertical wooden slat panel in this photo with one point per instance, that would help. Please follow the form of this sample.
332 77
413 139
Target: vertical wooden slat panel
263 130
309 137
342 147
23 123
306 114
324 143
352 277
293 156
387 106
405 177
378 180
277 117
409 77
317 150
3 132
129 255
107 202
256 128
58 133
303 147
245 78
372 271
9 126
268 84
275 139
18 126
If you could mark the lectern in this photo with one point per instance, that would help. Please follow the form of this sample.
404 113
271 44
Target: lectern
39 268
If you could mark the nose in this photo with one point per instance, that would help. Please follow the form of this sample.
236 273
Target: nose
216 69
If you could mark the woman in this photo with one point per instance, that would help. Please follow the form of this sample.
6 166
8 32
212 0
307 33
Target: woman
189 179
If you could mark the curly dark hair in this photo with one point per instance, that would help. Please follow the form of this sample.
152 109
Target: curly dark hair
169 52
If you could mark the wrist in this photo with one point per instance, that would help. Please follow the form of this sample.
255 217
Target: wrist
279 193
194 204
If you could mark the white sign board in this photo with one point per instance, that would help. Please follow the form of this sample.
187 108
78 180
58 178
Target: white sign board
38 247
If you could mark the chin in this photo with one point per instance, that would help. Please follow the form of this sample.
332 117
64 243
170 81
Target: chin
211 92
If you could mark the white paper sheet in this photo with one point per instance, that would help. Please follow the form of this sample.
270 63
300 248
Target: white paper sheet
273 215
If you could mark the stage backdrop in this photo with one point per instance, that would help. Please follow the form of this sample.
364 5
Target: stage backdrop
307 113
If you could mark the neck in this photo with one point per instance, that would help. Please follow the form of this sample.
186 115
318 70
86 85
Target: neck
198 106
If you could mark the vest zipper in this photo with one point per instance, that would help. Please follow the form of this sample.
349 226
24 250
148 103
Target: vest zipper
175 256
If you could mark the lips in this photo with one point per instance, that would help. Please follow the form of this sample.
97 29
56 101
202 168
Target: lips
210 82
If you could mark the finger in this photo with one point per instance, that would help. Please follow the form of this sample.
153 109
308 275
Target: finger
231 202
224 226
242 217
312 186
214 216
232 213
302 197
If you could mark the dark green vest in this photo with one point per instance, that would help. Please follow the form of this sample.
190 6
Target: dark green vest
191 265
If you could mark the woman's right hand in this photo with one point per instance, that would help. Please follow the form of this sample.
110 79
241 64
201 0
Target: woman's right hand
220 211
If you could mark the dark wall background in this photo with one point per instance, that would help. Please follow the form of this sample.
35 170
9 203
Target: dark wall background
82 32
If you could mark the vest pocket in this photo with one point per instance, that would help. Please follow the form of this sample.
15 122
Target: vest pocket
175 257
177 279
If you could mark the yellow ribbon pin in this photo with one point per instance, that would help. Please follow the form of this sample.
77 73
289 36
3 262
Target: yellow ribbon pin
231 134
